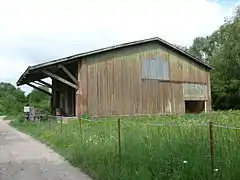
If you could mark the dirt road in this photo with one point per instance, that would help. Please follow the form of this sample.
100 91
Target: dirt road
24 158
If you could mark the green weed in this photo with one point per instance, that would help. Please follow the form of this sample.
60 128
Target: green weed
147 151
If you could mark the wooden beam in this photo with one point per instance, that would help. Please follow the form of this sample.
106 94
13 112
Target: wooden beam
45 83
72 77
48 85
39 83
40 89
60 79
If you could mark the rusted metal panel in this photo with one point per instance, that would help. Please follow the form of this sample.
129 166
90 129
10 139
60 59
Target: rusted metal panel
193 91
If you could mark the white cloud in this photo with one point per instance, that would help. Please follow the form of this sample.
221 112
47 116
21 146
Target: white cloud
36 31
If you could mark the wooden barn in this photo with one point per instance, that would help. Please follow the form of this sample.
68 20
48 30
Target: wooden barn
149 76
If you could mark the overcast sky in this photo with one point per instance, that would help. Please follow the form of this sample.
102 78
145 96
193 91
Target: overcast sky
36 31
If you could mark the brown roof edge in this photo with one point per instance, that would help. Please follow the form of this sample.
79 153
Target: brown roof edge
23 76
183 52
70 58
49 63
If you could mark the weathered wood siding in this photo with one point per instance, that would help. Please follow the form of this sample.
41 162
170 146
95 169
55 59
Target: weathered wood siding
193 91
209 101
111 82
185 70
82 92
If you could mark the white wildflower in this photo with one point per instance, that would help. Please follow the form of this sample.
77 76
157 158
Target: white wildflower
90 138
215 170
185 162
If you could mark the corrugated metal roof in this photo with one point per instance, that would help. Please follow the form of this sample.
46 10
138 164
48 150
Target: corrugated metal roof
69 59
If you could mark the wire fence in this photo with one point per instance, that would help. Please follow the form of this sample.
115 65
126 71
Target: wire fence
215 141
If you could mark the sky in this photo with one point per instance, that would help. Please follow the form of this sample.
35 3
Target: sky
33 32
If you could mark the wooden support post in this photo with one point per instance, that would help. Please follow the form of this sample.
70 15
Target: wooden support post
80 122
60 79
119 136
83 87
80 126
61 124
211 145
205 106
70 75
42 90
78 93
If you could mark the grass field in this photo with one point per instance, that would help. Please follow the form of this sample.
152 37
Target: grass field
147 151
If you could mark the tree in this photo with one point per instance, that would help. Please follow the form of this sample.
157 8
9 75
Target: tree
181 47
39 99
222 50
225 57
12 99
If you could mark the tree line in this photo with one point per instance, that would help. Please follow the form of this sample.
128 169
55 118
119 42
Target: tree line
12 99
221 49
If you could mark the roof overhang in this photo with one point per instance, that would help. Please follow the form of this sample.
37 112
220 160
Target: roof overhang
35 72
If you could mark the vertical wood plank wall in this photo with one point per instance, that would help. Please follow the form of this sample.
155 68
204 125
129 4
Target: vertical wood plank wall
209 101
78 92
111 83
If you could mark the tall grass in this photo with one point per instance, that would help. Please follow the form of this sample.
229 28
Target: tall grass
148 151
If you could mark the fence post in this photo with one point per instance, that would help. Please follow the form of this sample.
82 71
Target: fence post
119 136
211 145
80 122
61 124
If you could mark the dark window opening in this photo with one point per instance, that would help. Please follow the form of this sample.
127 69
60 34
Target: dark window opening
194 107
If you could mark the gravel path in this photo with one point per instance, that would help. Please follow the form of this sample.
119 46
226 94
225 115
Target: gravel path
24 158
